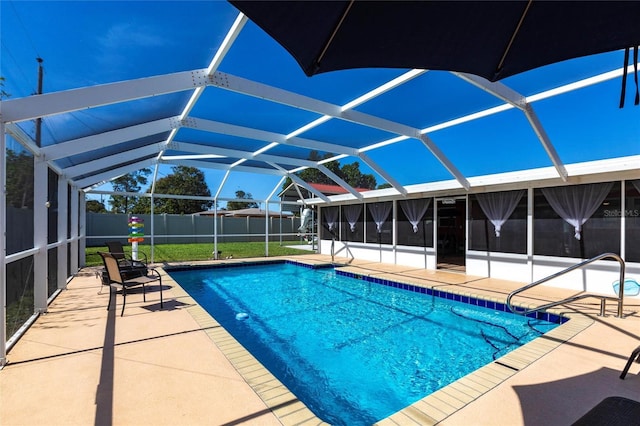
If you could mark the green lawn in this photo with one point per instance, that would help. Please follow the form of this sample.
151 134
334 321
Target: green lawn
187 252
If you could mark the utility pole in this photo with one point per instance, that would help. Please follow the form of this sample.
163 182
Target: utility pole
39 92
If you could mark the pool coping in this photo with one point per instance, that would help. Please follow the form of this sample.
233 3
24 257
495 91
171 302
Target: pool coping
430 410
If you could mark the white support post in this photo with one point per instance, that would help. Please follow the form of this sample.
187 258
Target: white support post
63 213
623 220
79 215
394 231
156 170
467 211
215 229
153 228
280 223
78 226
364 222
215 214
530 233
3 247
266 228
40 220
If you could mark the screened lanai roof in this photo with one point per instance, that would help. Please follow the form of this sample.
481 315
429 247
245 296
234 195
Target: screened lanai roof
129 85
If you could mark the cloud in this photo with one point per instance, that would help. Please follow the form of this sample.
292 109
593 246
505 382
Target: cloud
124 44
130 35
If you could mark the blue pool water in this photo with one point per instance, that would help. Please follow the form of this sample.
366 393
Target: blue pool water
353 351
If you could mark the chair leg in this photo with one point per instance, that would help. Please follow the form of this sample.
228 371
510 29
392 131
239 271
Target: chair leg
110 296
144 293
124 299
161 302
635 355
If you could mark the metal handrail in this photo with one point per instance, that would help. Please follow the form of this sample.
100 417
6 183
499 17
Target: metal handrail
603 299
333 242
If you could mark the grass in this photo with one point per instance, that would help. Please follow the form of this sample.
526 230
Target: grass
204 251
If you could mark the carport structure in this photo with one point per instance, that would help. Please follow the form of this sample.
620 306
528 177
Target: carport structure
263 116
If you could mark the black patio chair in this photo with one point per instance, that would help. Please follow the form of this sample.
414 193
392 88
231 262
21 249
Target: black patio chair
129 268
116 280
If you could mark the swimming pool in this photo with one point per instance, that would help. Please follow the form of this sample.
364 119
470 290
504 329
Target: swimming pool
353 351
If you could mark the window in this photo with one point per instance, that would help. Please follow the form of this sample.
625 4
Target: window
632 220
19 196
352 225
553 236
420 235
379 223
513 232
329 223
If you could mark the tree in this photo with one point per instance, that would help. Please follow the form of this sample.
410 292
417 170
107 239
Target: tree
384 185
19 179
353 176
183 181
238 205
96 206
316 176
3 93
131 182
350 173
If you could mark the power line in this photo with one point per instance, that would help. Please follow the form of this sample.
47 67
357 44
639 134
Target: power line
24 28
7 52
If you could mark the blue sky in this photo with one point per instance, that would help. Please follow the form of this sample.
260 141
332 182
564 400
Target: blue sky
90 42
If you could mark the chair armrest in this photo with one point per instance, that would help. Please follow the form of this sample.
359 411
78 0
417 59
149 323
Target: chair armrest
127 260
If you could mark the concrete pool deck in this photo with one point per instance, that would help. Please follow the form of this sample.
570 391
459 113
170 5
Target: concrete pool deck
81 364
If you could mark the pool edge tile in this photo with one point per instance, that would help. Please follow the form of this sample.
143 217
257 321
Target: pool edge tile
481 381
429 410
271 391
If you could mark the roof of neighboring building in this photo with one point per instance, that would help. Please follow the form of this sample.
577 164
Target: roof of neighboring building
324 188
251 212
333 189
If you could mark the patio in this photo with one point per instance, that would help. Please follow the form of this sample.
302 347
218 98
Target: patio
84 364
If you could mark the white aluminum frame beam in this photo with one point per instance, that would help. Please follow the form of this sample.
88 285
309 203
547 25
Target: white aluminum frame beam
275 189
63 214
218 166
113 137
497 89
32 107
263 91
113 173
204 149
235 153
263 135
372 94
515 99
25 140
222 182
590 81
386 176
337 179
228 41
40 227
548 146
3 246
111 160
309 188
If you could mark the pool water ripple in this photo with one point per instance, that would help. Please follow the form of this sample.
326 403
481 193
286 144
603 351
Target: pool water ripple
353 351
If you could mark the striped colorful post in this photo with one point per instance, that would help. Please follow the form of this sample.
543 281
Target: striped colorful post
136 234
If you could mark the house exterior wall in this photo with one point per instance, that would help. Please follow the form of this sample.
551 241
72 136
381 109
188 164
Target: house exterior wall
522 267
